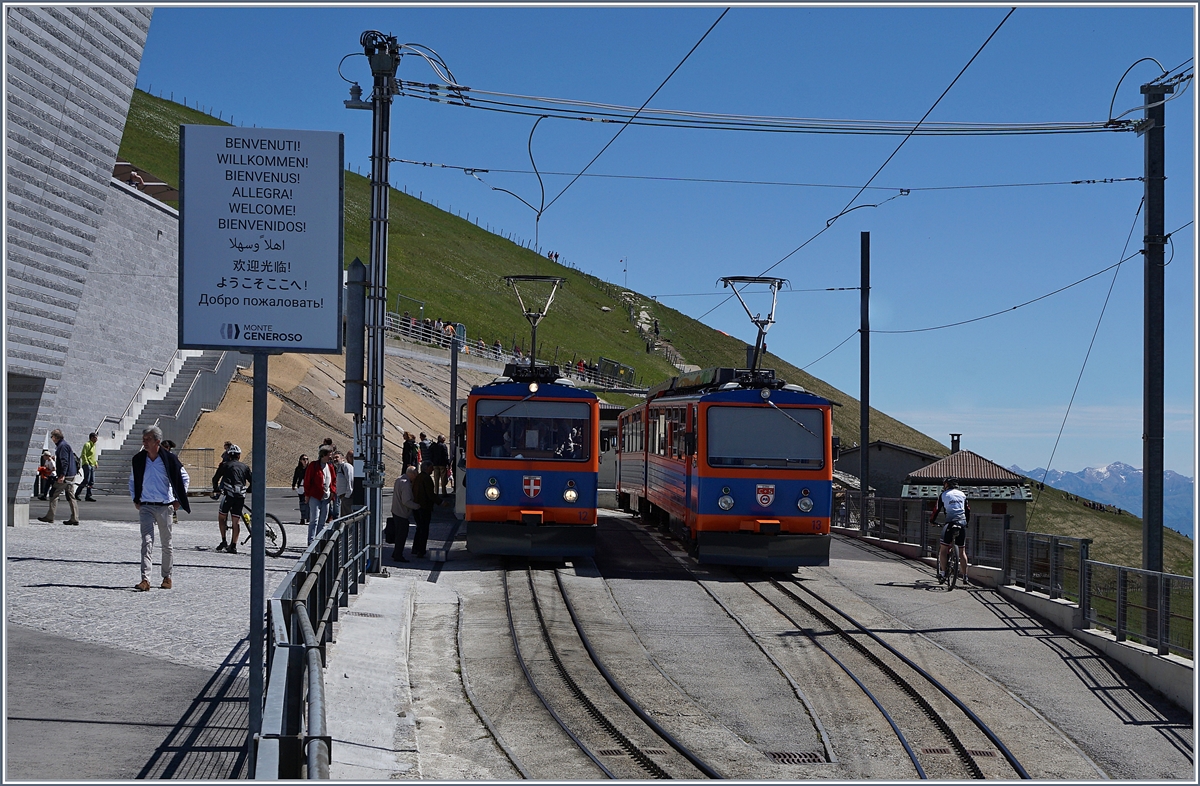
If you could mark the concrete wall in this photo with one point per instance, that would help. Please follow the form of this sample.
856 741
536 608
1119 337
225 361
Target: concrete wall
126 322
70 74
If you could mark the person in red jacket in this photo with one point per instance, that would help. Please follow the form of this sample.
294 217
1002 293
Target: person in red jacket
320 485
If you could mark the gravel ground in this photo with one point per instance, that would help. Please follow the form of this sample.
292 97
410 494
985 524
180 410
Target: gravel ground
78 582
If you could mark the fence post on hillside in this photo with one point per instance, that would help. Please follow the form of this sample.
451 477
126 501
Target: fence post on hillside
1052 589
1121 616
1164 611
1085 589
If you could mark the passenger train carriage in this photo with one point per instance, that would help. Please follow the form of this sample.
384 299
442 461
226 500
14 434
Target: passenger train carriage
737 463
532 458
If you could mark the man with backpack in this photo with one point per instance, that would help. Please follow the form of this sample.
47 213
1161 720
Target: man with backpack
233 479
66 467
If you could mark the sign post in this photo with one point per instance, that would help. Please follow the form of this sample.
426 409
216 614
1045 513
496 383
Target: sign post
260 271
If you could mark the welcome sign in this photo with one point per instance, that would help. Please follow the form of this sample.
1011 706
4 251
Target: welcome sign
260 245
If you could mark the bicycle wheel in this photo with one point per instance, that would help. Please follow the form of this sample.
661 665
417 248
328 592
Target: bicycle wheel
274 536
951 569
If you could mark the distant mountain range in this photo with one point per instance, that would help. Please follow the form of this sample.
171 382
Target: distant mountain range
1121 485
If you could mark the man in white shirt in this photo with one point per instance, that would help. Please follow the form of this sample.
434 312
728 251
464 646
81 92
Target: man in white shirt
954 502
158 484
345 482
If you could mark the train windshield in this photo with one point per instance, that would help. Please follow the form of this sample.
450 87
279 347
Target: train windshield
544 430
790 437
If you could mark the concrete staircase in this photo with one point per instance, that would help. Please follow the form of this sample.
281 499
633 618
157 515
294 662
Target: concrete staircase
112 471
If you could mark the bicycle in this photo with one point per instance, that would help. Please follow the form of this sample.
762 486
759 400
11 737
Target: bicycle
274 535
951 568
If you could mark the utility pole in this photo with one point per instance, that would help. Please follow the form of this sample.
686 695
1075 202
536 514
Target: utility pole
383 53
1151 130
864 384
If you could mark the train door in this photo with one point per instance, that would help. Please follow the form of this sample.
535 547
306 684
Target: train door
691 464
607 478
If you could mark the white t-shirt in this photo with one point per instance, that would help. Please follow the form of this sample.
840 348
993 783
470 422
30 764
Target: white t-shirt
955 503
345 478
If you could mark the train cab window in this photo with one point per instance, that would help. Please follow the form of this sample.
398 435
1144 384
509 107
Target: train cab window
548 430
792 437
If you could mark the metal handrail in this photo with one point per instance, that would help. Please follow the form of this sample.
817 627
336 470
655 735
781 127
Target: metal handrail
294 741
1104 593
1156 613
141 388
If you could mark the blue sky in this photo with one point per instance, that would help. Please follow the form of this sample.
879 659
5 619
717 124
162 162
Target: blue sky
938 256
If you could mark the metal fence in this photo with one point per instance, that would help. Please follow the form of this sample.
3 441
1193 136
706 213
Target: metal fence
294 741
1150 608
201 464
907 521
1051 564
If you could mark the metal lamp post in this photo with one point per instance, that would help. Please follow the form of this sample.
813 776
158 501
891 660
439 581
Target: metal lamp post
383 53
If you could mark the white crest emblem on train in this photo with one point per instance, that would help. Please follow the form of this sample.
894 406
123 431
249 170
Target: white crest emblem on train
765 493
532 485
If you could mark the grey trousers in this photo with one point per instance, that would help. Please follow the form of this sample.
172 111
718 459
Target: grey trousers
148 516
61 486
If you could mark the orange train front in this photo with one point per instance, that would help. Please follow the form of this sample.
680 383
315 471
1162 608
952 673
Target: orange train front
738 464
532 460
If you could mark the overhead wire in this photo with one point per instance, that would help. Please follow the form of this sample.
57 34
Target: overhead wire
1036 299
566 109
722 181
1013 308
870 180
635 114
1087 355
830 352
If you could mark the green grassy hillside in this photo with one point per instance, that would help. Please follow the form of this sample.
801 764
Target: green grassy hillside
456 268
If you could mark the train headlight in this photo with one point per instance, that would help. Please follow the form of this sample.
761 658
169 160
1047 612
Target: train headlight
492 493
805 504
533 387
725 502
570 495
765 393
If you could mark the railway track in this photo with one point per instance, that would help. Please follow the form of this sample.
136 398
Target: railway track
620 738
941 735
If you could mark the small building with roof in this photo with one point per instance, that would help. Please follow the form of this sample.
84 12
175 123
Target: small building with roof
890 465
992 491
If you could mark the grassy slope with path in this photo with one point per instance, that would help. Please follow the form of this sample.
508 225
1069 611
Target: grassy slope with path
456 269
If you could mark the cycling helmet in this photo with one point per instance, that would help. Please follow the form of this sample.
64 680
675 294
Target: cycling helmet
234 450
951 482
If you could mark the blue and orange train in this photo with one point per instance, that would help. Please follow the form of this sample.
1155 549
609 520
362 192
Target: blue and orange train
532 460
736 463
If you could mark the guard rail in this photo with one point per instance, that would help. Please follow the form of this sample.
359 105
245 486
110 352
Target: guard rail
1148 607
294 741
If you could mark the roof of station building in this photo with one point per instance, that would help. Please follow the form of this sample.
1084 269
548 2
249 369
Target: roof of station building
968 469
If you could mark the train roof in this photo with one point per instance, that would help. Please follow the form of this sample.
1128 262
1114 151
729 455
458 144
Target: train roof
517 379
722 379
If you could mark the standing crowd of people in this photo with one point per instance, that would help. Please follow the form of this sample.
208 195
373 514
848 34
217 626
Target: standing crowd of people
159 482
417 491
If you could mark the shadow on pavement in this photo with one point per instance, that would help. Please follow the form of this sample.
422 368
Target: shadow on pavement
209 741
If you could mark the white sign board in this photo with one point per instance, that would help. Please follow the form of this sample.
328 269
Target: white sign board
260 242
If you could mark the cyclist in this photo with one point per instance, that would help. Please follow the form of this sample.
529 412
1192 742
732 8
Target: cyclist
954 503
233 479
